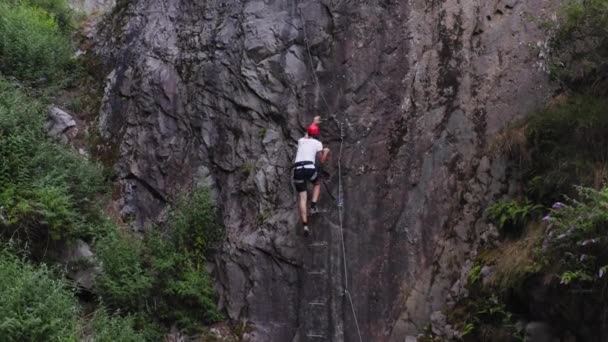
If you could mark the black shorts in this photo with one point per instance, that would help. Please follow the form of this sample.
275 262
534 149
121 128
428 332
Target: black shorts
303 175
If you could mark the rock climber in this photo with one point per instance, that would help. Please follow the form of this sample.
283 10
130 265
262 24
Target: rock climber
306 170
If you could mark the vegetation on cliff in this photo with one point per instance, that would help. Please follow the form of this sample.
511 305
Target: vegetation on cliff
50 196
551 259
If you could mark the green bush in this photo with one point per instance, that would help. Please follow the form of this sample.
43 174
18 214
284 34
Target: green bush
576 243
60 10
193 230
194 225
33 305
45 189
579 45
560 147
32 46
124 284
185 291
114 328
488 319
164 277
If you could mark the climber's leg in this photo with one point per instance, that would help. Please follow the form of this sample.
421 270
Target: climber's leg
316 192
299 179
303 210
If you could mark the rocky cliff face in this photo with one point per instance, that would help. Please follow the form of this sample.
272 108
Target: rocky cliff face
217 93
92 6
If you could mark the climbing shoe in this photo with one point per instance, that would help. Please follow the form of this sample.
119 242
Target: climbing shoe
306 231
313 208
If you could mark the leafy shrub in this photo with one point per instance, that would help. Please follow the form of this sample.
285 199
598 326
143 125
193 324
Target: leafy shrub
60 10
32 46
164 277
113 328
489 320
185 291
45 189
194 225
124 283
579 44
33 305
560 147
511 217
193 230
576 243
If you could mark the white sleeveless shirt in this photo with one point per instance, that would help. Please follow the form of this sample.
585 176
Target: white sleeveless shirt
307 150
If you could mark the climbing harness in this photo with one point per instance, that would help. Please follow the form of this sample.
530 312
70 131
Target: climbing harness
340 200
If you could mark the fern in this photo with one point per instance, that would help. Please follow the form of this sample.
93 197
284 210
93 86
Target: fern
510 217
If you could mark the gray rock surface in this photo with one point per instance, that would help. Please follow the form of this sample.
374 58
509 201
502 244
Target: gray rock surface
217 92
80 263
539 332
92 6
58 123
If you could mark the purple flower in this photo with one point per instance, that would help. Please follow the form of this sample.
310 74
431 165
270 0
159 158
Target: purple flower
558 205
547 218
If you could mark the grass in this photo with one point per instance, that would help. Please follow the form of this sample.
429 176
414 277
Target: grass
514 260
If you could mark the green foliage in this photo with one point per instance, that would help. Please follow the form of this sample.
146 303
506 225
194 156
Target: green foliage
114 328
60 10
195 227
475 274
186 295
562 146
247 169
576 244
511 217
486 318
124 283
262 133
45 189
579 44
33 305
164 276
33 47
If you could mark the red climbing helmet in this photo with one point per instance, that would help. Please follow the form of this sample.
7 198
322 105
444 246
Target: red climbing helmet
313 130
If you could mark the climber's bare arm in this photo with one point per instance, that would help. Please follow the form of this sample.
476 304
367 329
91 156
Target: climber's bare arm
324 155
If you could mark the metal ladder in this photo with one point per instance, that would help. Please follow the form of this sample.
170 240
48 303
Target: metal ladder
315 304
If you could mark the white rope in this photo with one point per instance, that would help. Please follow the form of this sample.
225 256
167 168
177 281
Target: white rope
340 190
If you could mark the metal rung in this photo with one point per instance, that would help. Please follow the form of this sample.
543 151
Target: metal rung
315 336
316 272
317 303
